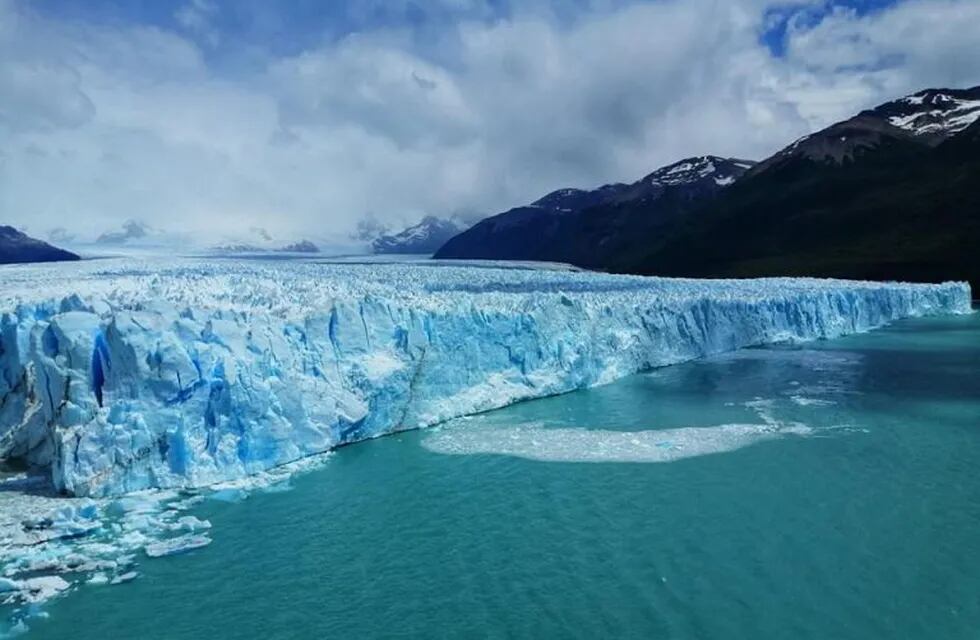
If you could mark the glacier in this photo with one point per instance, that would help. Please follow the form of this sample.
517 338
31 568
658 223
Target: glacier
130 374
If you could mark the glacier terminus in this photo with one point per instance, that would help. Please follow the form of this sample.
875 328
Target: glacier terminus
123 375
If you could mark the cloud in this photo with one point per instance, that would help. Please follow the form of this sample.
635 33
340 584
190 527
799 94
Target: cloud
197 17
40 91
109 121
60 235
914 45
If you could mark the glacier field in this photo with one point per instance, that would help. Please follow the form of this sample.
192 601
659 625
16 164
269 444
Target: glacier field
124 375
131 390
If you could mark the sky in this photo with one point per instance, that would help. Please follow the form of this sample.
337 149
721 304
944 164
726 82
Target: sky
302 117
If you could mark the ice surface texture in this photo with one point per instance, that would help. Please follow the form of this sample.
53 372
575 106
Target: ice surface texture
125 375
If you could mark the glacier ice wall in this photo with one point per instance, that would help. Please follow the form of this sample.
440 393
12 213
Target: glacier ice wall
124 375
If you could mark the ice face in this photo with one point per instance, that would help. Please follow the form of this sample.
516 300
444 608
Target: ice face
124 375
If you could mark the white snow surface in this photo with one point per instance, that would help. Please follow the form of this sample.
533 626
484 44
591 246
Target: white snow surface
123 375
951 115
685 172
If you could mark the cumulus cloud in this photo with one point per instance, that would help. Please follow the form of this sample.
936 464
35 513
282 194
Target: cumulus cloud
105 122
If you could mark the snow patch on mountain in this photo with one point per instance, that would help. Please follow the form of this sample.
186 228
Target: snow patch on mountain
426 237
933 112
928 117
692 171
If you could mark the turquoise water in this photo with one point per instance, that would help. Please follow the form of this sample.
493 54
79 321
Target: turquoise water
847 505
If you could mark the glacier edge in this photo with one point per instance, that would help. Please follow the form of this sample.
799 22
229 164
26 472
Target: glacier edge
138 375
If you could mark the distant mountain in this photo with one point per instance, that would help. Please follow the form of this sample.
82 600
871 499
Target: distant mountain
425 237
236 247
16 246
303 246
140 237
590 227
131 230
892 193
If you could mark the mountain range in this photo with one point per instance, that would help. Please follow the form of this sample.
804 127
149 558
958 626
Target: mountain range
562 227
422 238
301 246
891 193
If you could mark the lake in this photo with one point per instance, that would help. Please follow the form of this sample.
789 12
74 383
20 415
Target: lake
822 490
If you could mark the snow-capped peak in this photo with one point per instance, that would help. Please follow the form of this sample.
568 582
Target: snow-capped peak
723 171
425 237
934 112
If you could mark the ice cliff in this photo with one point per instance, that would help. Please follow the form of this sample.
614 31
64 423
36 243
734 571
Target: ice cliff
123 375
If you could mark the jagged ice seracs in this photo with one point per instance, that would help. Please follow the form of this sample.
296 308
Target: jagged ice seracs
123 375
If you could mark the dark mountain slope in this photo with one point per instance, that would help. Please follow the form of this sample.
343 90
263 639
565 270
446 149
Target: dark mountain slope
16 246
590 227
525 233
862 199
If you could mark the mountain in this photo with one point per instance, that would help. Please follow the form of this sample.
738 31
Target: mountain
140 237
303 246
932 114
131 230
524 233
425 237
892 193
926 118
16 246
590 227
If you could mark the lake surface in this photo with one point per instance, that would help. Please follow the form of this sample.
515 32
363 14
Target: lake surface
825 490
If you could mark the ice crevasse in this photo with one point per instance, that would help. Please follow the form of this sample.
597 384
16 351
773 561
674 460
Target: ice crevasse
123 375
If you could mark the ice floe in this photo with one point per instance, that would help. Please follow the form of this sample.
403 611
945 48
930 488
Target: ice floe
173 546
536 442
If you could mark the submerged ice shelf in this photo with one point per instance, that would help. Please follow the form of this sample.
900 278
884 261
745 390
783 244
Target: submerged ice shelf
117 376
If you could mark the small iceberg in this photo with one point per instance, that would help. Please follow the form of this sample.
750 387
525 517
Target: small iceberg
174 546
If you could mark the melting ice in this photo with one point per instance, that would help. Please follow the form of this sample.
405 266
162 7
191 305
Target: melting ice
535 442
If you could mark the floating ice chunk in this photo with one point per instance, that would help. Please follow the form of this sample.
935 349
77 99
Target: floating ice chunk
181 544
73 520
803 401
132 540
76 519
186 503
129 576
98 578
233 494
42 588
18 628
135 503
190 524
534 442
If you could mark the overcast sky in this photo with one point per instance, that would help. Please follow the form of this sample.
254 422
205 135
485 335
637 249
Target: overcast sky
303 117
